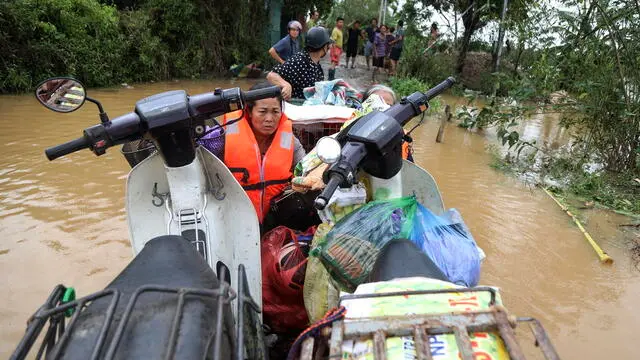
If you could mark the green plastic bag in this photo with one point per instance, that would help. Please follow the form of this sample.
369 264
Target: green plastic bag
350 249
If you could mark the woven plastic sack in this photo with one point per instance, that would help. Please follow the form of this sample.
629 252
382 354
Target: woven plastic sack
284 264
350 249
320 294
449 244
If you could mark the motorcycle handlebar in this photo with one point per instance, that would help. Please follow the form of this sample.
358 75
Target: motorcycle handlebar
440 88
323 199
253 95
128 126
67 148
354 151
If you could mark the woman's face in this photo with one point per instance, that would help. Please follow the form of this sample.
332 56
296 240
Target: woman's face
383 29
294 32
265 116
385 95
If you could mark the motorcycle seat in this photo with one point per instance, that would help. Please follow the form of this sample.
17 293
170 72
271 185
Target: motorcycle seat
401 258
168 261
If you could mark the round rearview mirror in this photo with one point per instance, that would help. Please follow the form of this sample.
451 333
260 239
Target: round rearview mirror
61 94
328 150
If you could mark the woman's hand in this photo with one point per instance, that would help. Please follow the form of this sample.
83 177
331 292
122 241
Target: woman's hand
276 79
286 91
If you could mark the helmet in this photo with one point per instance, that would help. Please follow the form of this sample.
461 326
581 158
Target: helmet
294 25
317 37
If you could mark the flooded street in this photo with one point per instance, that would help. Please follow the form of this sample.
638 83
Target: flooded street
64 222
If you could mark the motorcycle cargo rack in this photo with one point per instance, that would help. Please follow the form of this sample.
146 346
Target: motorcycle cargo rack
246 342
421 326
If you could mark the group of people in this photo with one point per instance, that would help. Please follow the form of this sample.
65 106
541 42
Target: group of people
381 44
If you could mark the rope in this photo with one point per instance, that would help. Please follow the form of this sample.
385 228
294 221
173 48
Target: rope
329 318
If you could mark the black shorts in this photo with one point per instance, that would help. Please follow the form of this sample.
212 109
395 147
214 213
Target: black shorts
352 51
395 54
378 61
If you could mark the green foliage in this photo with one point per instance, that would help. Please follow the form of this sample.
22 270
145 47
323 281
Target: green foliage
350 10
154 39
55 37
431 69
407 86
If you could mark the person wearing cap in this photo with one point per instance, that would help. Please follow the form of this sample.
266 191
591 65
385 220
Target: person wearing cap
302 69
288 45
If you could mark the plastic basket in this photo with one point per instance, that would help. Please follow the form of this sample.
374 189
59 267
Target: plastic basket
309 134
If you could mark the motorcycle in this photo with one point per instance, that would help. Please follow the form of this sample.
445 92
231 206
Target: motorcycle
194 232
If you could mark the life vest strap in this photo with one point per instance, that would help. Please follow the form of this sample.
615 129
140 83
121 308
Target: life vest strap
264 184
244 171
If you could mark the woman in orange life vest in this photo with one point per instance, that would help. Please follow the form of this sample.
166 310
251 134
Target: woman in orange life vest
259 149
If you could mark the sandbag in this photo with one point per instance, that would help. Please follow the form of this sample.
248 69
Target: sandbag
284 264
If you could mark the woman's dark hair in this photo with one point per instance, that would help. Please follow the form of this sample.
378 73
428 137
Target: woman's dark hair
263 85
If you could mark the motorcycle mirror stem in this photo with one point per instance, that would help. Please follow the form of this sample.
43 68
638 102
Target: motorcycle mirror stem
104 118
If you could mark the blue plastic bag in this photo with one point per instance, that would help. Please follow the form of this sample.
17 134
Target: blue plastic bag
449 244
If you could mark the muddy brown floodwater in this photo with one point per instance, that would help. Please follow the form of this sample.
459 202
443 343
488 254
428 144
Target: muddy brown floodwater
64 222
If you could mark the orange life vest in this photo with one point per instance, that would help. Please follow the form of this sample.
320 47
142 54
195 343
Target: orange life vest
406 150
262 178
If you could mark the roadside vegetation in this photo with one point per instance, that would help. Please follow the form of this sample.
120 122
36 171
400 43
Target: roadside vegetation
107 42
579 60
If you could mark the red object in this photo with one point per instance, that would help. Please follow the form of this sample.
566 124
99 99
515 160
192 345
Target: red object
284 263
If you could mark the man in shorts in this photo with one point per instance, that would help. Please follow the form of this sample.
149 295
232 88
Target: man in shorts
370 33
354 34
336 49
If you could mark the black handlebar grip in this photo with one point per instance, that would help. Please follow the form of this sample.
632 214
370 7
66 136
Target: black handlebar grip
252 95
323 199
66 148
440 88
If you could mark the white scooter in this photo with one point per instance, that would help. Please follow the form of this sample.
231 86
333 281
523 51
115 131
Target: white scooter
194 231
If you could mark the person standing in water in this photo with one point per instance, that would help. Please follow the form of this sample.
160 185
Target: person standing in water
336 49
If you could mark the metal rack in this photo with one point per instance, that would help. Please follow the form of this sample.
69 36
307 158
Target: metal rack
460 324
247 340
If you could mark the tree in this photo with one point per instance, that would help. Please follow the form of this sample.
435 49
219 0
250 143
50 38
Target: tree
475 14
